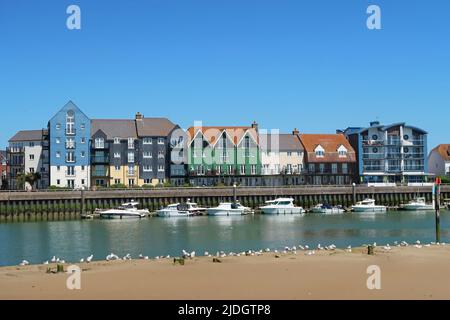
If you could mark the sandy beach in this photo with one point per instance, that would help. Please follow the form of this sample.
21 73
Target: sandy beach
406 273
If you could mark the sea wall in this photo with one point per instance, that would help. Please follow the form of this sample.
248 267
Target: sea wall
62 205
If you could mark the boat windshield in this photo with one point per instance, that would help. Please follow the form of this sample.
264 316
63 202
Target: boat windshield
283 203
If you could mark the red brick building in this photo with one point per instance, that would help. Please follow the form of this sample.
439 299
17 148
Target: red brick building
329 159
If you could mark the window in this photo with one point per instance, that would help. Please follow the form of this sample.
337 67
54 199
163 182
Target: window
322 168
70 143
70 157
83 140
148 155
58 154
58 168
117 155
117 168
334 168
58 182
130 143
345 168
146 181
58 140
99 143
289 154
82 126
312 167
160 154
289 169
161 168
342 153
31 156
83 154
116 140
82 168
58 126
320 153
160 140
83 182
253 169
375 150
375 137
31 170
148 141
70 171
148 169
117 181
70 122
242 170
230 169
405 150
131 182
131 157
131 170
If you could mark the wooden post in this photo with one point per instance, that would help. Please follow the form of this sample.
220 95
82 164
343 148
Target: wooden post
234 193
437 201
354 192
82 201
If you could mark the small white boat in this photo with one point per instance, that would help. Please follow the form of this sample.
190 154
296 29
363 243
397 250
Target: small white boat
327 209
368 206
228 209
127 210
281 206
181 210
418 204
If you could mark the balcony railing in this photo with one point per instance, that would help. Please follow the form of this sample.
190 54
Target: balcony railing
373 142
414 156
394 168
100 159
100 173
71 145
418 142
376 156
100 146
71 159
71 131
373 168
414 168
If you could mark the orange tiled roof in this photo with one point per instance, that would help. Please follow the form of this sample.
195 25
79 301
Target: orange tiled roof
212 133
330 143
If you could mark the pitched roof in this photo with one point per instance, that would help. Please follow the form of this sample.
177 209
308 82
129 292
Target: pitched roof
212 134
114 128
154 127
443 150
330 143
286 142
3 154
27 135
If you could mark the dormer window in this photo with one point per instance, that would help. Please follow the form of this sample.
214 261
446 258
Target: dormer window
116 140
342 152
320 152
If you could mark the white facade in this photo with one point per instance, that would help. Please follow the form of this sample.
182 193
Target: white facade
74 177
288 162
437 165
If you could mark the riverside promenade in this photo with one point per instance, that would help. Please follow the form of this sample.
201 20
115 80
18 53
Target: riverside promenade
71 204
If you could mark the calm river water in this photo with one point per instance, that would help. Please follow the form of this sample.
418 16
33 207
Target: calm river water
72 240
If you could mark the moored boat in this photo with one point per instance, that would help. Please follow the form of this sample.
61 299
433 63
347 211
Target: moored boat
281 206
327 209
368 206
228 209
418 204
187 209
127 210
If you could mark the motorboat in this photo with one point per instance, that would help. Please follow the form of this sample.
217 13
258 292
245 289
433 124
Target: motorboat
128 210
281 206
327 209
418 204
228 209
368 206
181 210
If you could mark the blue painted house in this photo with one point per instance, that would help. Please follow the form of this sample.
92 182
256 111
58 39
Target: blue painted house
69 135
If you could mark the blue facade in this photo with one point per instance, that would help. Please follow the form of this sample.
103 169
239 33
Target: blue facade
70 132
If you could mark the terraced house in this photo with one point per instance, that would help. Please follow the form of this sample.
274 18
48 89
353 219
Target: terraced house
28 156
70 133
329 159
390 154
224 155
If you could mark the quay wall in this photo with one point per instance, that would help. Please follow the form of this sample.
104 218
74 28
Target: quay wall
65 205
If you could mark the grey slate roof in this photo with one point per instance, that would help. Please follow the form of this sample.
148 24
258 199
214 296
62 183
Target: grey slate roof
154 127
287 142
27 135
114 128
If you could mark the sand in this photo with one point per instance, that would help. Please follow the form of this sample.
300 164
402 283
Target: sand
406 273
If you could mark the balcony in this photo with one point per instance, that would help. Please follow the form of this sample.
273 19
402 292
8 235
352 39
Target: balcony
374 156
71 145
15 150
71 131
393 141
414 156
100 146
414 168
71 159
373 168
100 173
394 169
373 143
419 142
99 159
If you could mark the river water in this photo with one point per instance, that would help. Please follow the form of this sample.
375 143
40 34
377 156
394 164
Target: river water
71 240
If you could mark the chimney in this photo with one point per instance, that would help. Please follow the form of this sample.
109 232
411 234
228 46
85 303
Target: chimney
295 131
255 125
139 116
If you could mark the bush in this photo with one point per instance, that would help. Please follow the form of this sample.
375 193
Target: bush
167 184
118 186
148 186
445 179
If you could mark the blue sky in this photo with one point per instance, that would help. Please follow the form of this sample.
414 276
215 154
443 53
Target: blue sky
310 64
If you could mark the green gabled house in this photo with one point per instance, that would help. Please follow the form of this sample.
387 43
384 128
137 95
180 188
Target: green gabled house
224 155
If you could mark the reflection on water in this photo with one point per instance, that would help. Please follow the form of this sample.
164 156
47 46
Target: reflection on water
72 240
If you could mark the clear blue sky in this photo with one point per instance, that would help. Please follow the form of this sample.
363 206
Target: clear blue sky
310 64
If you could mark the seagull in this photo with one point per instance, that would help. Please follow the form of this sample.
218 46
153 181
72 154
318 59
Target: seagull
417 242
46 262
82 260
307 247
387 247
53 259
267 250
62 261
193 254
349 249
89 259
168 257
319 246
206 254
301 247
24 263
